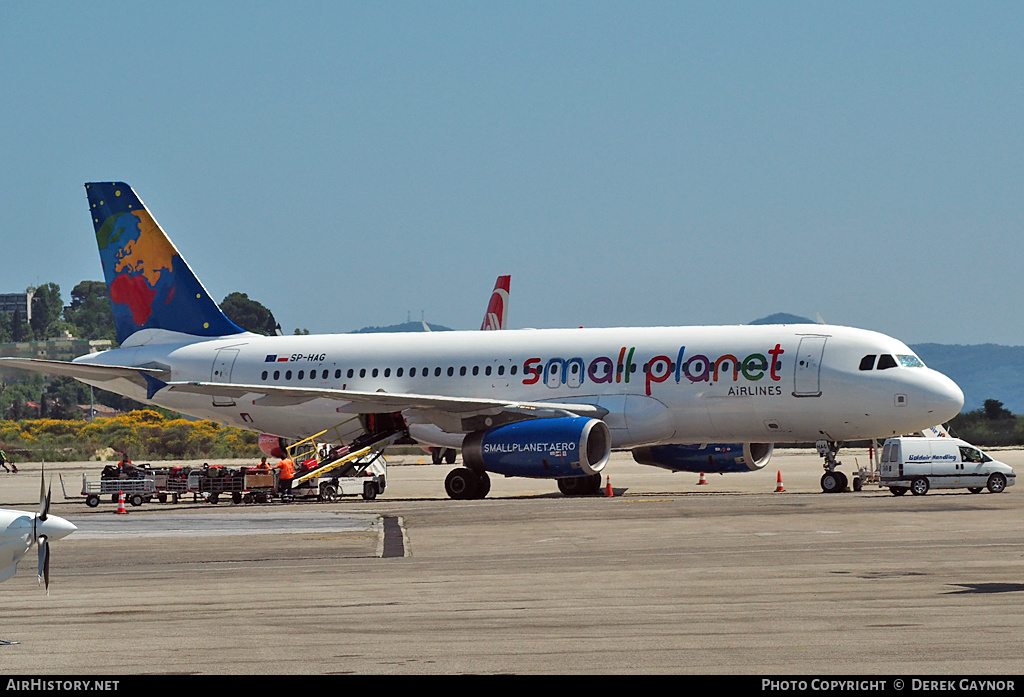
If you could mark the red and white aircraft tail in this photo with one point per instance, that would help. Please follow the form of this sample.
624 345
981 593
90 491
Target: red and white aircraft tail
497 309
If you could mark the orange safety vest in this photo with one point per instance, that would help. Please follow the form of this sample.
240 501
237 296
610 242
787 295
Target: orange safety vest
287 468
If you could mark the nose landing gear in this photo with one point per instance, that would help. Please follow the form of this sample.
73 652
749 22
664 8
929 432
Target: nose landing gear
833 481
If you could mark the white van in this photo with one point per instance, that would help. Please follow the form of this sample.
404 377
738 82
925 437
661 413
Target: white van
920 464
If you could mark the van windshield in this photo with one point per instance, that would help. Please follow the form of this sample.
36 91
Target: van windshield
973 455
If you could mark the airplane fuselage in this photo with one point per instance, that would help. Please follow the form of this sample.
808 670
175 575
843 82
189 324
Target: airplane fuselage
768 383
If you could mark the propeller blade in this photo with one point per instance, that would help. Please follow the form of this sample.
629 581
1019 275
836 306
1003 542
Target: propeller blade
44 562
44 495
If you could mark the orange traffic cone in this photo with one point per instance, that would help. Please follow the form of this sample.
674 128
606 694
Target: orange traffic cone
703 479
608 487
779 487
120 503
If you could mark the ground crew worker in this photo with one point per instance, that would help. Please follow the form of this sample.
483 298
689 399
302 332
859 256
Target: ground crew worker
263 466
4 462
287 469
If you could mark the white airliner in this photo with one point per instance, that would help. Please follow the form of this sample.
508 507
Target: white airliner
548 403
19 530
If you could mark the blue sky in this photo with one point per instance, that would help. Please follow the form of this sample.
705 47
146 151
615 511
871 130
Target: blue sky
350 164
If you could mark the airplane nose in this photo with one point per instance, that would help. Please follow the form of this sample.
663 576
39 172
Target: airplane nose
55 527
944 397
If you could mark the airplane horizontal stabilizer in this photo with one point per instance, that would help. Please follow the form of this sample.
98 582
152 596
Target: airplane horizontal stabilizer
84 371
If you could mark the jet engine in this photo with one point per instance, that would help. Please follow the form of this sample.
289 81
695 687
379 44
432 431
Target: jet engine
706 457
569 446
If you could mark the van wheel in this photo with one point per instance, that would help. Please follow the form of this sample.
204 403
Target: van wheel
919 487
975 489
897 490
996 483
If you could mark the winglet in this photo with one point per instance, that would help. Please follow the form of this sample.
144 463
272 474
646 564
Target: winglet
153 384
150 285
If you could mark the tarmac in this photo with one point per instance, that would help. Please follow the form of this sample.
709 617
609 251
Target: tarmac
666 576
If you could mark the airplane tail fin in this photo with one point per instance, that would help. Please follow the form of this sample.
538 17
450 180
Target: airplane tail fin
150 285
496 316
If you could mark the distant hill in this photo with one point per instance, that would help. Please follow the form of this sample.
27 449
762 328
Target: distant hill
404 327
983 371
783 318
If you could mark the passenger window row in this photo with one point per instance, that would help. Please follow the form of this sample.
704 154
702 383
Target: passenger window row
387 372
475 370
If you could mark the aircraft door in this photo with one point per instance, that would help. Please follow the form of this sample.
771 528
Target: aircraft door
807 366
223 363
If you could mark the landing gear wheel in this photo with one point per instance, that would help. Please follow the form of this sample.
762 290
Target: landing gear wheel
449 456
461 484
435 456
483 485
577 486
996 483
831 483
919 487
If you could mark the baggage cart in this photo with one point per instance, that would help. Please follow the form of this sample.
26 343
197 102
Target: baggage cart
136 491
243 486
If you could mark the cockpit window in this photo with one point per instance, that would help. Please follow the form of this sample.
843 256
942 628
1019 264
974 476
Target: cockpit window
868 362
886 361
910 361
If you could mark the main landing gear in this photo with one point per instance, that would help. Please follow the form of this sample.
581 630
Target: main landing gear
580 486
833 481
446 455
463 483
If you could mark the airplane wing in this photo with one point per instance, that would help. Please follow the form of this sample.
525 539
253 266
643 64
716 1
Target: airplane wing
84 371
462 407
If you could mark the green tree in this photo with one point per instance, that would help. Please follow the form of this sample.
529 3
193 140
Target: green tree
90 311
994 410
17 326
62 395
47 307
249 314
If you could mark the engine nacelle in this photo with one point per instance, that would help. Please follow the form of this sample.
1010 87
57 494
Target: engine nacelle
272 445
569 446
711 457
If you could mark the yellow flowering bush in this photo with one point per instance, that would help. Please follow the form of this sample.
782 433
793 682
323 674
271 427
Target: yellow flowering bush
143 435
